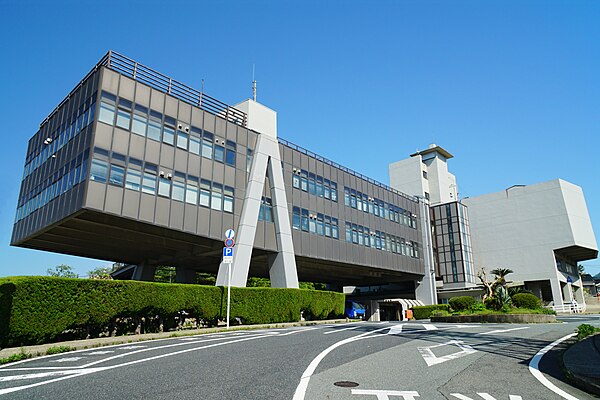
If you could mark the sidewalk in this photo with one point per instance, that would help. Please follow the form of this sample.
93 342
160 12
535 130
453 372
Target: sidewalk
582 361
40 350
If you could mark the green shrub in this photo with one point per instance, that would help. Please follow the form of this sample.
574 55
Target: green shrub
461 303
15 357
424 312
36 310
526 300
59 349
478 307
585 330
492 303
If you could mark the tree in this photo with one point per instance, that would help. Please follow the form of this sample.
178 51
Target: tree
62 271
496 286
164 274
100 273
581 269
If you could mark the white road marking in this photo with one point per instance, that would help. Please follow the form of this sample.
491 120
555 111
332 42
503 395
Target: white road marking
134 347
68 359
340 330
430 327
384 394
484 396
432 359
395 330
36 375
297 331
87 371
97 353
535 362
503 330
305 379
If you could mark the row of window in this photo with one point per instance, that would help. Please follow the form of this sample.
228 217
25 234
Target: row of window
266 210
61 136
363 236
320 224
314 184
56 186
145 177
379 208
149 123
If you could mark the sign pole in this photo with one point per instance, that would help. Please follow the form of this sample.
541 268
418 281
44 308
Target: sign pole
228 292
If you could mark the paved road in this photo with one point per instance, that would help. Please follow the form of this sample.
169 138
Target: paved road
393 360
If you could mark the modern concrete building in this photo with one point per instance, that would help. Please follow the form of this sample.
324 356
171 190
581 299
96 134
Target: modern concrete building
539 231
138 168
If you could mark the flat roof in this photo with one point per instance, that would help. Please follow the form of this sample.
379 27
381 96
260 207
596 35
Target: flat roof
433 149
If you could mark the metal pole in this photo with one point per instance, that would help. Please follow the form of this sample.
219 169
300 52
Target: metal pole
228 292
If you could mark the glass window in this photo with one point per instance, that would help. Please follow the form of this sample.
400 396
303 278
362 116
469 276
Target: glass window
195 145
99 171
249 154
217 197
230 153
107 113
168 135
320 225
134 179
304 223
327 189
319 186
295 180
178 190
312 225
182 140
164 187
149 179
123 118
204 193
347 197
312 186
117 175
304 180
140 120
333 191
228 199
191 191
207 148
348 232
296 218
219 153
154 125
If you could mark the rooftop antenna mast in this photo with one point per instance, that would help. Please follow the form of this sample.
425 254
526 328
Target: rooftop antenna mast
253 85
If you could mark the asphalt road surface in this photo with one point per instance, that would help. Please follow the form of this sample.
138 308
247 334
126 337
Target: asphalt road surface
355 361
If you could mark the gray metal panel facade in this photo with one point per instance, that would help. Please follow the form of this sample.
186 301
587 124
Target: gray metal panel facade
119 148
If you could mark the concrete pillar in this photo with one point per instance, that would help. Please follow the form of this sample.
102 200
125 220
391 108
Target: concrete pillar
557 293
425 288
266 160
144 272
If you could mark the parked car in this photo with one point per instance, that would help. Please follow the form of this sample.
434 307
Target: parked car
354 310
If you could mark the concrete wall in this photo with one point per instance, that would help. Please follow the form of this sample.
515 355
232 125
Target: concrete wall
520 228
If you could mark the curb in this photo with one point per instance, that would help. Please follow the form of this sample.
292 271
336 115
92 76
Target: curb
41 350
590 381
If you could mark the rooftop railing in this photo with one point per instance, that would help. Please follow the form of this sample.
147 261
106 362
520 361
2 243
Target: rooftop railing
345 169
141 73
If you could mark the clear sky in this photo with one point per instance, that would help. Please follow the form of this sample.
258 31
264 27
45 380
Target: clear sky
511 88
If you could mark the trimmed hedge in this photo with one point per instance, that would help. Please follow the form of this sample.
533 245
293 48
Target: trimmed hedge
36 310
526 300
424 312
461 303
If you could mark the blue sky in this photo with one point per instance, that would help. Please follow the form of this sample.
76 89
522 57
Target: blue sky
511 88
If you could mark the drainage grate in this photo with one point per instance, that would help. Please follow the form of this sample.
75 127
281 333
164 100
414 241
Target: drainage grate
347 384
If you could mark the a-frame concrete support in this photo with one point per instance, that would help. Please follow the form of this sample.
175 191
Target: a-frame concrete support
266 161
